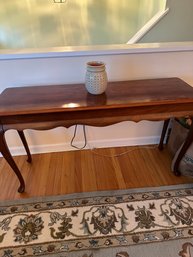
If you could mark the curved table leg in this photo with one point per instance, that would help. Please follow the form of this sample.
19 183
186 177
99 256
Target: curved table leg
165 126
23 139
6 154
183 150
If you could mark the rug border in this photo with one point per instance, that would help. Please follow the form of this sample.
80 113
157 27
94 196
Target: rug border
93 194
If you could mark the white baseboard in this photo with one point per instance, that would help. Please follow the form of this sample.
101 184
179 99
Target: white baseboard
37 149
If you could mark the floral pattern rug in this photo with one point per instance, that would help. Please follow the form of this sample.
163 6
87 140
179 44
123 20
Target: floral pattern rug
150 222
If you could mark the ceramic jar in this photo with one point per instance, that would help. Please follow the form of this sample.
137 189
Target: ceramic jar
96 78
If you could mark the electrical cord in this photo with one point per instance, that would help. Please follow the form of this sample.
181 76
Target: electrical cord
85 139
93 149
123 153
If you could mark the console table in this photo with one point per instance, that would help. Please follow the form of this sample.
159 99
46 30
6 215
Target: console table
46 107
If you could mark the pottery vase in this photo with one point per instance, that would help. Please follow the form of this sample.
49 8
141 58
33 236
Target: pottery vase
96 78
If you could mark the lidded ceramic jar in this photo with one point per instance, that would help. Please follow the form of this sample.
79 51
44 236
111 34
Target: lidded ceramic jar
96 78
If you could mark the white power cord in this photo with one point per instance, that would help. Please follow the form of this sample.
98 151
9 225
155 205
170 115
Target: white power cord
93 149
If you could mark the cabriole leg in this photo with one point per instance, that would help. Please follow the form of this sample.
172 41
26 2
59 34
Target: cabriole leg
7 155
165 126
23 139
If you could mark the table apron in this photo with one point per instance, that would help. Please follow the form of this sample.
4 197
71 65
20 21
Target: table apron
96 117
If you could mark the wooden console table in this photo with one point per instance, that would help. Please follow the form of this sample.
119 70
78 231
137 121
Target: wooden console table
46 107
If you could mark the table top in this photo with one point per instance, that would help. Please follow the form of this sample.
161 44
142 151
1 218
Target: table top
71 97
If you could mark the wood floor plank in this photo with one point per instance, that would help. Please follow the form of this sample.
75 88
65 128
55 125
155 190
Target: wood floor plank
86 170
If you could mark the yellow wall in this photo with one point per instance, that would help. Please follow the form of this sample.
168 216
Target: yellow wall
43 23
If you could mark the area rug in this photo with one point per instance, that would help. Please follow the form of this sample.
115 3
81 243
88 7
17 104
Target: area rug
156 222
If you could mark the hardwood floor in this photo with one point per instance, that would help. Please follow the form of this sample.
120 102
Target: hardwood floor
83 171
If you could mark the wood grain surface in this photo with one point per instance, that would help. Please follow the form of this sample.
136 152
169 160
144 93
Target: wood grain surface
84 171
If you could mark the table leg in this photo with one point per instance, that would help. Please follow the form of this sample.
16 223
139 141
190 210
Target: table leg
165 126
7 155
23 139
187 143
